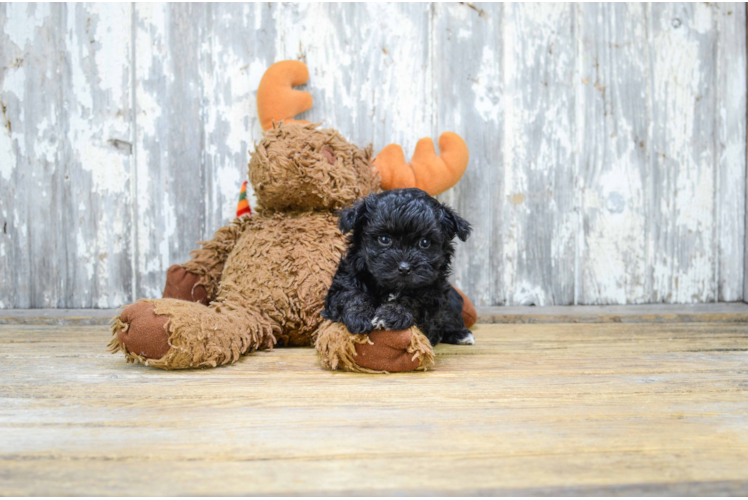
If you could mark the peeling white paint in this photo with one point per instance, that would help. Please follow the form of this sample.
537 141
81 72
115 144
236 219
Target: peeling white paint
7 154
108 171
25 19
592 131
316 38
153 73
486 81
83 245
680 80
702 16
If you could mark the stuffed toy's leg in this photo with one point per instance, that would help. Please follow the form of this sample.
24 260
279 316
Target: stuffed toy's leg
174 334
379 352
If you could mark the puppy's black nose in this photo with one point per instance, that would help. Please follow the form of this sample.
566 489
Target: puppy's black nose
404 268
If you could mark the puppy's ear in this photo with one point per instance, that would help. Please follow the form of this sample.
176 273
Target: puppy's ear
454 225
352 217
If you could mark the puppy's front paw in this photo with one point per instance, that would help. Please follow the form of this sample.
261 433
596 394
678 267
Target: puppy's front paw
392 317
468 339
358 324
463 337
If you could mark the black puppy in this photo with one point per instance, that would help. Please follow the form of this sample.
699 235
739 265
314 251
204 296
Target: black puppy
395 271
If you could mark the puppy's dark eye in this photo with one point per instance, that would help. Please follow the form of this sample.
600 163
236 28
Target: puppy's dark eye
424 243
385 241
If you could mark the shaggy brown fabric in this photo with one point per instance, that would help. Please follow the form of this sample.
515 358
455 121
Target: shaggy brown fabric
379 352
207 262
202 336
291 169
184 285
272 290
266 276
283 265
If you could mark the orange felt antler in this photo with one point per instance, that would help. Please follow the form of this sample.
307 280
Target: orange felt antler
276 98
434 174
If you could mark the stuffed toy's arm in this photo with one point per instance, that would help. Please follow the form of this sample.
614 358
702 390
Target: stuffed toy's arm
434 174
197 279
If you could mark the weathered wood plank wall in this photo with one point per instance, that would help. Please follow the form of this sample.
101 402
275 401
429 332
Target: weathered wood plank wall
608 141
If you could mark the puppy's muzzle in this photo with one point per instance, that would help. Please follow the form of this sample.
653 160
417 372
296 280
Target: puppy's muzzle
404 268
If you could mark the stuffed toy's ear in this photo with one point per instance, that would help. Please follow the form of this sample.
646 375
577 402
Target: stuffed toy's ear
454 225
434 174
276 98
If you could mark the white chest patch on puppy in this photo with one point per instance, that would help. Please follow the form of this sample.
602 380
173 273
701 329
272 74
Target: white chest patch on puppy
377 323
393 297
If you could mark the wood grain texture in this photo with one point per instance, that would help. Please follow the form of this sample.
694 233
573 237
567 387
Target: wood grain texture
554 408
65 155
720 312
370 68
170 193
538 148
29 91
730 103
239 47
608 142
471 103
614 118
683 173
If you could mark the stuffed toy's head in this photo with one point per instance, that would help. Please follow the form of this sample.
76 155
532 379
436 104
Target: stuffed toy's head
300 166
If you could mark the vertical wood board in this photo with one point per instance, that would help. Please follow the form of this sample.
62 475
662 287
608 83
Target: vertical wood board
65 154
608 141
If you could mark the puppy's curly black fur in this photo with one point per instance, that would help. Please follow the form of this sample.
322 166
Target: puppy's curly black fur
395 271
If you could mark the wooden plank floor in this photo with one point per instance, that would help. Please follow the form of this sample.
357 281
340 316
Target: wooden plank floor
604 408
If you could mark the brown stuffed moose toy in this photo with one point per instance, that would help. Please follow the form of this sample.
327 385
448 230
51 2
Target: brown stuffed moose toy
262 280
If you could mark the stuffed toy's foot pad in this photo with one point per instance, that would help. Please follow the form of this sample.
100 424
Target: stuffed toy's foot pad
386 351
380 351
144 332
